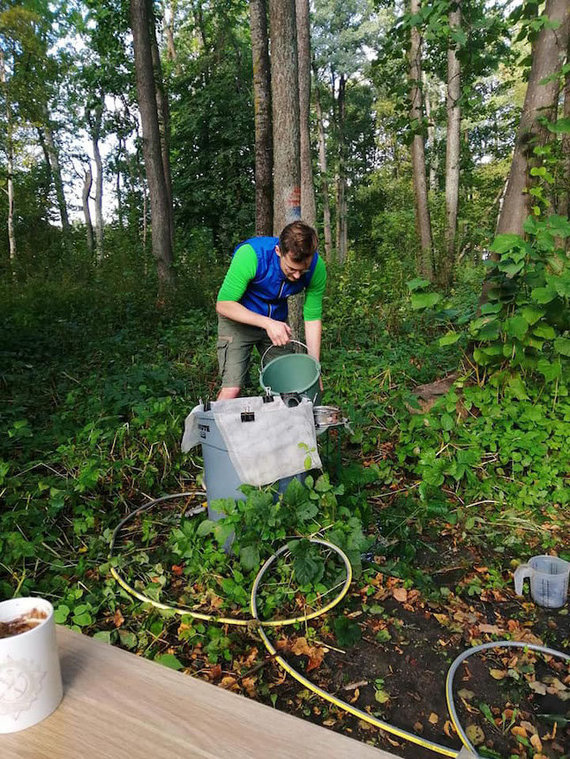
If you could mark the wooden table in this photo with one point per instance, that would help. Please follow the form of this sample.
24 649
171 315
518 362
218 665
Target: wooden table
118 705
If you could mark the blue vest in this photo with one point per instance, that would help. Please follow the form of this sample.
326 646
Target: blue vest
267 292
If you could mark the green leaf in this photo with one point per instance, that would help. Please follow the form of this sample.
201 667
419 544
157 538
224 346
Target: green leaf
562 346
417 284
562 126
382 696
551 370
104 635
425 300
249 557
83 620
502 243
205 528
544 330
450 338
517 386
510 267
532 314
128 639
61 614
516 326
347 631
308 566
170 661
543 294
490 308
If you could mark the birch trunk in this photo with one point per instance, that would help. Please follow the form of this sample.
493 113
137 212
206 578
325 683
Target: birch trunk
452 152
423 222
9 167
95 135
262 106
341 215
87 183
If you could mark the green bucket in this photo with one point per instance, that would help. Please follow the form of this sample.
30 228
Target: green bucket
292 374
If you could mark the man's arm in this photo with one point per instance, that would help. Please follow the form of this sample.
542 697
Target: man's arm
313 330
278 332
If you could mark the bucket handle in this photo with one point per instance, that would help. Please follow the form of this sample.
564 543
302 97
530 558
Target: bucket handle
298 342
521 573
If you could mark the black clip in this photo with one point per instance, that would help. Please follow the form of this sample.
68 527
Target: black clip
248 416
207 406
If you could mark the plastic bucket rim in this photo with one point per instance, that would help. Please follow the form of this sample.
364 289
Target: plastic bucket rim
316 364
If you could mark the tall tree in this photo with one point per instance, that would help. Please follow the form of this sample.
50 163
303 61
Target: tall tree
85 195
548 53
161 209
262 110
94 119
9 149
308 207
423 222
453 145
286 127
323 172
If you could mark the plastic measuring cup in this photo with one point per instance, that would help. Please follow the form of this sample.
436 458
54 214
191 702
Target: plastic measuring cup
548 580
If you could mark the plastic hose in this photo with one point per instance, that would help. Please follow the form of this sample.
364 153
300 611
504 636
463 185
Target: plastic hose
453 669
386 726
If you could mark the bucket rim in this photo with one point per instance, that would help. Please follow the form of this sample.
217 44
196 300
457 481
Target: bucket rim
274 361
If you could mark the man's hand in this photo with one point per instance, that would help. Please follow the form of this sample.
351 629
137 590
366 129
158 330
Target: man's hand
278 332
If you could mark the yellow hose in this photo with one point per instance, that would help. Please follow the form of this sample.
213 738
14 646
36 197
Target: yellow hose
260 624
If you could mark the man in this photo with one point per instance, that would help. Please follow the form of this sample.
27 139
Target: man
252 302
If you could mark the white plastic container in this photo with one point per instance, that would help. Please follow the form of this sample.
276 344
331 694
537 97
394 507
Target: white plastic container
548 580
30 676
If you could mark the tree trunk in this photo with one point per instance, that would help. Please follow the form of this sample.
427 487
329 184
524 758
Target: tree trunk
548 53
161 209
95 124
286 128
564 209
341 220
308 207
324 179
423 222
163 112
169 14
9 166
452 152
55 170
87 182
431 136
262 104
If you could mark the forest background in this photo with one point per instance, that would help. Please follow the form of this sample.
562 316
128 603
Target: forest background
429 144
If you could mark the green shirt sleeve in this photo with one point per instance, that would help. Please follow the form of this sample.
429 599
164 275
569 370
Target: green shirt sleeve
242 269
313 307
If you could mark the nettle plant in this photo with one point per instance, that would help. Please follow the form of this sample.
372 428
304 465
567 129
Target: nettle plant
523 326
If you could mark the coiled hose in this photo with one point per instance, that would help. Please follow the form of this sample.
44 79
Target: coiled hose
261 624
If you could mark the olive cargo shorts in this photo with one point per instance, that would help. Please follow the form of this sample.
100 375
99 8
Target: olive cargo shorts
235 344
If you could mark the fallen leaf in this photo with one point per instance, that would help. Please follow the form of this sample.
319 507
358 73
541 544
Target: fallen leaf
418 727
382 696
433 718
475 734
177 570
355 696
229 683
466 694
118 619
249 684
538 687
400 594
498 674
536 743
528 726
448 729
215 671
518 730
491 629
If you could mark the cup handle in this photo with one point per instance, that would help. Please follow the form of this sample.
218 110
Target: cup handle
521 573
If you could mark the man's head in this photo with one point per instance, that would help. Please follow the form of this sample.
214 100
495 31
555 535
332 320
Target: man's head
297 246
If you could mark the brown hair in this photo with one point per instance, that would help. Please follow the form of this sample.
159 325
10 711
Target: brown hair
299 241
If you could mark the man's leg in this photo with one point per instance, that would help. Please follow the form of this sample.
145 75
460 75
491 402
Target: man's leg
235 343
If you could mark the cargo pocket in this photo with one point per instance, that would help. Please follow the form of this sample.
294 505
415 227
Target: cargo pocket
222 348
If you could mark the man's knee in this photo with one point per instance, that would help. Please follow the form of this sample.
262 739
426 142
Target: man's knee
227 393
